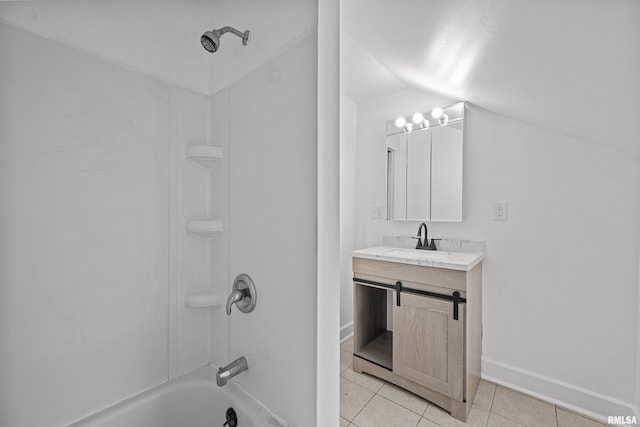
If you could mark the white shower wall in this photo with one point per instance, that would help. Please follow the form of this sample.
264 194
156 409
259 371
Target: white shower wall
266 124
94 264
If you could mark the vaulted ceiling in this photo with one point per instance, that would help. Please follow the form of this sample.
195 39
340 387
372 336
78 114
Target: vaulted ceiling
572 66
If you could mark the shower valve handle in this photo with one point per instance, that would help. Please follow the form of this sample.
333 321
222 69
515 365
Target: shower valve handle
243 294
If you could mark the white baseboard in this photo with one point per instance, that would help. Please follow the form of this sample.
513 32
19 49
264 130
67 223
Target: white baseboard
346 331
568 396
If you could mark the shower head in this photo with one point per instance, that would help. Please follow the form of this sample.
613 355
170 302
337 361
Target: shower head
211 39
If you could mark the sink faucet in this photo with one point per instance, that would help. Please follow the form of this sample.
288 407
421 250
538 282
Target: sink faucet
426 246
231 370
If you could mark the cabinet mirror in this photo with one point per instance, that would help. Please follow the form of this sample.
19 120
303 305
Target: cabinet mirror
424 166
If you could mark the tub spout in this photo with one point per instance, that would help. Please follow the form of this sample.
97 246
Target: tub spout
231 370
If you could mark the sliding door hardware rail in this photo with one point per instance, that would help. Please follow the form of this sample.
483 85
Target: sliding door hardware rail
455 298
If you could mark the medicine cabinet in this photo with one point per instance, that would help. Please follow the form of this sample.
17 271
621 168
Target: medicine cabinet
425 166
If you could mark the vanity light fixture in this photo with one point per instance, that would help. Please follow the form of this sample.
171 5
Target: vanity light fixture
418 118
421 120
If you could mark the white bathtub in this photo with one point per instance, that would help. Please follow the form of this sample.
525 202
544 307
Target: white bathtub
193 400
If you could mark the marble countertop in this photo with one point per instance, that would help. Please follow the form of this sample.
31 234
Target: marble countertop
450 260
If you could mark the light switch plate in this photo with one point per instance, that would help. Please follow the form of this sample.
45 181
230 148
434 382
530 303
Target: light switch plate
500 211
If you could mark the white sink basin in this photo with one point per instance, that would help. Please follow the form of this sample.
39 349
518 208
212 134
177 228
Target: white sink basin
417 254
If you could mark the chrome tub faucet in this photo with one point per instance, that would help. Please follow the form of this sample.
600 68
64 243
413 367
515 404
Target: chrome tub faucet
231 370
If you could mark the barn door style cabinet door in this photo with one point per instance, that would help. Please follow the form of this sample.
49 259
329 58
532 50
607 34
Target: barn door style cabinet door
428 344
420 328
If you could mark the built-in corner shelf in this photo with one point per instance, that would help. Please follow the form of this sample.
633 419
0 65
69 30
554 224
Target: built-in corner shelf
204 298
204 227
205 155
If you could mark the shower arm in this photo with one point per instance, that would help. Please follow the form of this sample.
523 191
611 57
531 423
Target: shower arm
244 36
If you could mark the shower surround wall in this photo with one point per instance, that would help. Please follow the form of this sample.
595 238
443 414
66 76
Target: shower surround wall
266 124
94 264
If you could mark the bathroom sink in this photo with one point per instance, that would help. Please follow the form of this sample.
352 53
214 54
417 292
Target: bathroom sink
416 254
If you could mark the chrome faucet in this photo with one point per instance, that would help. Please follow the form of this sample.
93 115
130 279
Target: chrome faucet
231 370
426 246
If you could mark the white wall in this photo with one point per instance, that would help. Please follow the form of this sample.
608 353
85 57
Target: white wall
561 276
271 155
91 256
348 164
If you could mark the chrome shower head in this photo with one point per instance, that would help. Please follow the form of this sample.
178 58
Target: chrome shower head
211 39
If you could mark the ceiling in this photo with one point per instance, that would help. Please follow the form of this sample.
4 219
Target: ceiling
572 66
162 37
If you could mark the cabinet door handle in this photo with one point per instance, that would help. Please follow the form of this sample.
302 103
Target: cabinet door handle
398 291
456 301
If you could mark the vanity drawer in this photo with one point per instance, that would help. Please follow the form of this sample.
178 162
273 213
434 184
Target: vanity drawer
394 271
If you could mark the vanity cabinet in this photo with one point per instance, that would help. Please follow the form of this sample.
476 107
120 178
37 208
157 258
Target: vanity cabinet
434 345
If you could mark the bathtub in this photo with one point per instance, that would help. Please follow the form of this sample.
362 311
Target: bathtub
192 400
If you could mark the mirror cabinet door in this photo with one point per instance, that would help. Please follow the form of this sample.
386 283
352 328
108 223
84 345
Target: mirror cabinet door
397 177
425 168
446 172
419 175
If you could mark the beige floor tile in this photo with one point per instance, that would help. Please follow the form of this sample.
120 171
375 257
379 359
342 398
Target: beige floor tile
522 408
343 422
347 345
403 398
484 395
496 420
570 419
369 382
427 423
381 412
477 417
346 360
352 399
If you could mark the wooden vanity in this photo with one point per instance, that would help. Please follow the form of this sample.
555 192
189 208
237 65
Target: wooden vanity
435 347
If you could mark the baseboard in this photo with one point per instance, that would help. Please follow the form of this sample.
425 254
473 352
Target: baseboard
346 331
574 398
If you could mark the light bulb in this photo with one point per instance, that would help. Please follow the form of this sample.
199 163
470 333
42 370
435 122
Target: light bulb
400 122
444 120
418 118
436 113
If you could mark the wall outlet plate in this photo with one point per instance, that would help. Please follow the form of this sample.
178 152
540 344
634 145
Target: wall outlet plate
376 212
500 211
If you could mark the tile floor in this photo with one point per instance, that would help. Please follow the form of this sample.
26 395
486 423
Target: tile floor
366 401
